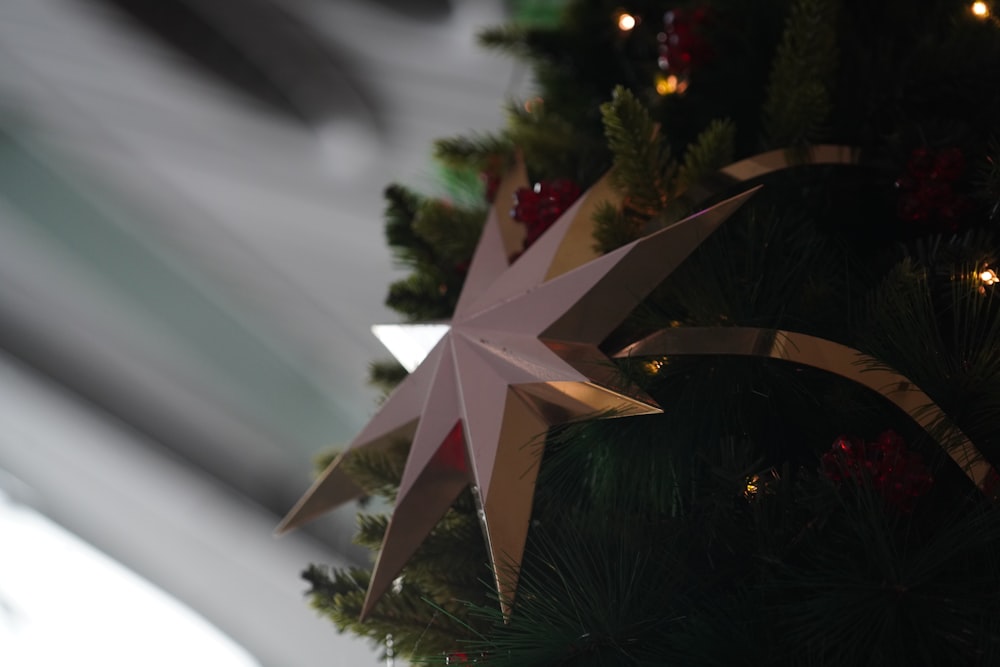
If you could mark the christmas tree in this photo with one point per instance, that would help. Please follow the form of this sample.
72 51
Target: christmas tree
817 486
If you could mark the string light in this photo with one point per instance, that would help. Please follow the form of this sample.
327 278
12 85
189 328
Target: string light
980 10
669 85
989 276
626 22
755 485
653 366
390 651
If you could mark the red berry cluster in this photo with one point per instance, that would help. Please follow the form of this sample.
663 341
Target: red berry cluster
897 474
459 658
538 207
927 189
681 43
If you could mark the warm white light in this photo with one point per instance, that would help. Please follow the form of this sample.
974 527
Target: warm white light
980 9
989 276
670 84
666 85
626 22
410 343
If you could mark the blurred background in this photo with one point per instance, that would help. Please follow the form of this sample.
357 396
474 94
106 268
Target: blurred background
191 257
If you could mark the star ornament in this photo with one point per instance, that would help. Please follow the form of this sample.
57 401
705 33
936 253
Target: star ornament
521 354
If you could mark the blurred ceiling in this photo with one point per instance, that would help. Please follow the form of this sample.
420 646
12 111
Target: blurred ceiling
191 242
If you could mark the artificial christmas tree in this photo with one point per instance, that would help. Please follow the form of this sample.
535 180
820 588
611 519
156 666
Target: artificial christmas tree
817 487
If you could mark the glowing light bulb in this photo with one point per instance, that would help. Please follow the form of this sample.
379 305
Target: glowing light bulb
626 22
989 276
980 9
666 85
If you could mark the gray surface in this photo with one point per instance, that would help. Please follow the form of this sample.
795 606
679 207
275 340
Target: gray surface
205 271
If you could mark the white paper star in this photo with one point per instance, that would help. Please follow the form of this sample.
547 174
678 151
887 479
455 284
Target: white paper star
520 356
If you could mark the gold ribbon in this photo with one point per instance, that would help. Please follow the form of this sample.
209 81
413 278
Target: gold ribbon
833 358
766 163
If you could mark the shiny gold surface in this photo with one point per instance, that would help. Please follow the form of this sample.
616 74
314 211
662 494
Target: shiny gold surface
765 163
827 356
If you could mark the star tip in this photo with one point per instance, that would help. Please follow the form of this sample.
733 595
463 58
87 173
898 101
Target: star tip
287 525
749 192
505 609
366 607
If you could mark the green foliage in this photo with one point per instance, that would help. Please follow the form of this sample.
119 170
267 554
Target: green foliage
941 331
509 38
422 296
549 143
481 152
401 209
377 470
450 230
433 239
799 92
616 595
537 12
403 615
711 151
427 611
873 580
386 374
614 227
643 167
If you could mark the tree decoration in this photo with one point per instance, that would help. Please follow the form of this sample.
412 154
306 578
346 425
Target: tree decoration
827 356
682 47
798 102
541 205
626 22
708 532
927 189
520 356
898 475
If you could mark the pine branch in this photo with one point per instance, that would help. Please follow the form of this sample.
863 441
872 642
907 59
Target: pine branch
643 168
402 206
614 227
711 151
482 152
872 586
386 374
371 530
583 601
404 614
550 144
508 38
421 296
450 230
377 471
799 95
